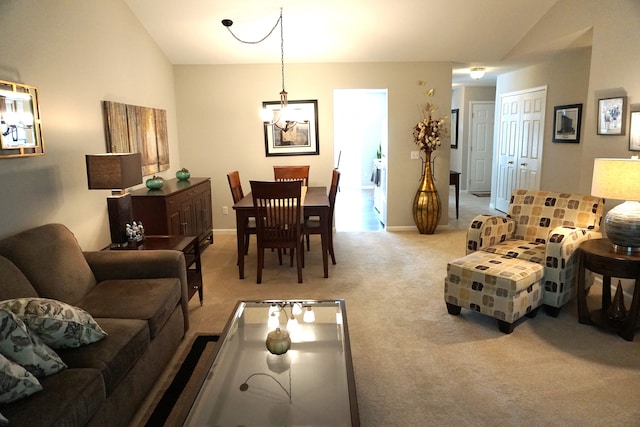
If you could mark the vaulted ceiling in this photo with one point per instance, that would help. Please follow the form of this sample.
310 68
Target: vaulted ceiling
465 32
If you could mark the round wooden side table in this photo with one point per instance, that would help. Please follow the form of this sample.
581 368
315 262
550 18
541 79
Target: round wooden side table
599 256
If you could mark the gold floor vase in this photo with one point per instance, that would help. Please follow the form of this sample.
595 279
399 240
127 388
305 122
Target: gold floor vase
426 204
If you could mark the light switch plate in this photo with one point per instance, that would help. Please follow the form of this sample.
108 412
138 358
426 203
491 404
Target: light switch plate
415 155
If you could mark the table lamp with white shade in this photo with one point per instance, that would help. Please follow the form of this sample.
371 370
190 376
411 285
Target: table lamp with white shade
619 179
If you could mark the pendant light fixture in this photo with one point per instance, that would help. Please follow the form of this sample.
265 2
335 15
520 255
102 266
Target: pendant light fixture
266 114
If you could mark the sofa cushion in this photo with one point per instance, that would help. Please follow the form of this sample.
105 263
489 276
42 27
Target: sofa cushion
59 325
15 381
59 404
14 283
25 348
152 300
50 257
113 356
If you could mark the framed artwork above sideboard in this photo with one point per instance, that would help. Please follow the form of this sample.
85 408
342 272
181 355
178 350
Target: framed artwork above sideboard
133 129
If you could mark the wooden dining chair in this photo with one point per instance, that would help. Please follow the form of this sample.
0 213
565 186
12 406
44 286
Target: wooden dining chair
312 224
291 173
236 192
278 221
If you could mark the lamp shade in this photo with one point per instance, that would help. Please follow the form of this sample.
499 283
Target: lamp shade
113 171
616 179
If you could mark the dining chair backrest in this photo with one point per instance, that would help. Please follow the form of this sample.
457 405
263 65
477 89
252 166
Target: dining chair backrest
333 191
292 173
235 186
278 212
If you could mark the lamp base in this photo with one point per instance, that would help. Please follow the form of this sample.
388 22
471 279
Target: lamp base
120 214
622 225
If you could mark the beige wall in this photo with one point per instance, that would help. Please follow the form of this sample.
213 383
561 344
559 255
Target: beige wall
612 70
566 77
220 129
462 97
78 53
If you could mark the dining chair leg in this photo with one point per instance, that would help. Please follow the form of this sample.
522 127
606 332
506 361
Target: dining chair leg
333 256
291 251
280 256
308 243
260 265
299 262
246 244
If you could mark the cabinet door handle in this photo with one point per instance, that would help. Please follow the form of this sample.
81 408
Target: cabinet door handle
523 164
510 162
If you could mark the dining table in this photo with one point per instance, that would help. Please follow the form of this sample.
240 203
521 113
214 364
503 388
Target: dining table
315 203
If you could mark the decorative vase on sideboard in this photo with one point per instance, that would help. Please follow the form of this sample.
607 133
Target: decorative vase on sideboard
426 204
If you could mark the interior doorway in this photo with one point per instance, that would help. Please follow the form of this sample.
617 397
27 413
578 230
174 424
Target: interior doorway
360 150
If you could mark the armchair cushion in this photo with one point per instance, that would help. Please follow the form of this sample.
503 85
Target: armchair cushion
521 249
538 212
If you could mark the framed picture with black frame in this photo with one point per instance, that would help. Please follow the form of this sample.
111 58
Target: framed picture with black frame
612 115
567 120
454 128
294 133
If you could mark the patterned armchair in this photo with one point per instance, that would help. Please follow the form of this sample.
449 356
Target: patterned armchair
543 227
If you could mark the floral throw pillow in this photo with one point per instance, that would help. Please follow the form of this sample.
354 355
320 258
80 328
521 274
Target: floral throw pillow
59 325
15 382
25 349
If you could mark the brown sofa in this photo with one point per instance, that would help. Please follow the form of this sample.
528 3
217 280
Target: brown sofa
138 297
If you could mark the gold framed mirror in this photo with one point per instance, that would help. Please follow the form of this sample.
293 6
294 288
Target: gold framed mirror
20 123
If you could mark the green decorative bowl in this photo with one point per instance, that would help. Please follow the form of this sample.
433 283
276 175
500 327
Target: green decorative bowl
154 183
183 175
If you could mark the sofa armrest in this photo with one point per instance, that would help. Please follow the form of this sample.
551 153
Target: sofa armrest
487 230
130 264
559 265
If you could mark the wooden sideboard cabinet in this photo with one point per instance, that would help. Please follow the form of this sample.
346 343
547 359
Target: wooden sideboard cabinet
179 207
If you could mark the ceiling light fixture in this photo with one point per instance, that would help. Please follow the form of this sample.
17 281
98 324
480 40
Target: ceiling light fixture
477 73
266 114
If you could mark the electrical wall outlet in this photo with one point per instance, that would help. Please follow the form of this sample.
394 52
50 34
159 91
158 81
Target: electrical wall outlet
225 210
415 155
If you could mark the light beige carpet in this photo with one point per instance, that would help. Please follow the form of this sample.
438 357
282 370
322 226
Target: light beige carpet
415 365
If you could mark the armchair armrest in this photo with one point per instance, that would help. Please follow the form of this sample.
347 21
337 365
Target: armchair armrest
129 264
562 243
487 230
559 271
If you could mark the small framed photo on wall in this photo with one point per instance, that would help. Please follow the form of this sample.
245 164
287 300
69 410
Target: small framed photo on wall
634 131
566 123
612 115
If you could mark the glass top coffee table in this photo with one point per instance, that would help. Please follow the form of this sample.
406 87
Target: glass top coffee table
311 384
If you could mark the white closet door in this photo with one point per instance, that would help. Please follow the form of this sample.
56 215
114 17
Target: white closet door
521 140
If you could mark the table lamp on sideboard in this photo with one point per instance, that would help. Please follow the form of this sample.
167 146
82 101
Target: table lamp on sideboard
620 179
116 172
